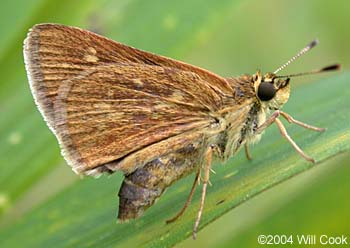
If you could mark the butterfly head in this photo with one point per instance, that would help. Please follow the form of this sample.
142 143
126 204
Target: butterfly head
271 91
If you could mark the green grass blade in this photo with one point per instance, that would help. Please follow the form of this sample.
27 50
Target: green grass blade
84 214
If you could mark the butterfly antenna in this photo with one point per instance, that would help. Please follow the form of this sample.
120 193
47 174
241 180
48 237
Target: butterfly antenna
304 50
324 69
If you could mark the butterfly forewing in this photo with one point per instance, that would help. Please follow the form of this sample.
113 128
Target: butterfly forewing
106 101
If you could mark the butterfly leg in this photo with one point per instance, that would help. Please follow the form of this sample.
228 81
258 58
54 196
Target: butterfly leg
189 199
274 119
206 174
247 153
290 119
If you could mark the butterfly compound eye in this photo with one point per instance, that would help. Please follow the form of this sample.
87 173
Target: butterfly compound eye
266 91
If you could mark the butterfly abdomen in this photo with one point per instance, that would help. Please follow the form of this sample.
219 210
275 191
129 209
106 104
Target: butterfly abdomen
145 185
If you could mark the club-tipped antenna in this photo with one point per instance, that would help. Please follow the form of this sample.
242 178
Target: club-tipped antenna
324 69
302 51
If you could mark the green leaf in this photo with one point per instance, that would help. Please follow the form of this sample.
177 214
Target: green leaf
84 214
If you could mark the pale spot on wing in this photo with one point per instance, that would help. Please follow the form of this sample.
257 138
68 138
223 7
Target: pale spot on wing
90 58
102 105
138 82
169 22
15 138
92 50
177 96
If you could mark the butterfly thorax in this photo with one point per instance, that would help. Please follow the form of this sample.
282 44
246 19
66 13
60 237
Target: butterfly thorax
254 99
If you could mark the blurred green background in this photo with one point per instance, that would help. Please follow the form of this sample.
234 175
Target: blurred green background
229 37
